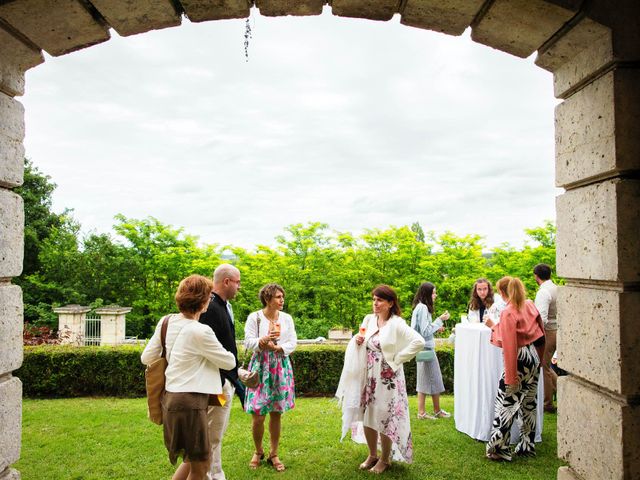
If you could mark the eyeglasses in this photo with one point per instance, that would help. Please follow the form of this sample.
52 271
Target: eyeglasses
237 282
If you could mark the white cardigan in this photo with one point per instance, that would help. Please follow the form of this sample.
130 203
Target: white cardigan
398 341
194 355
288 339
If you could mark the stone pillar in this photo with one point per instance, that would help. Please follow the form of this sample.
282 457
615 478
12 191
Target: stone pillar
112 324
15 58
71 324
595 64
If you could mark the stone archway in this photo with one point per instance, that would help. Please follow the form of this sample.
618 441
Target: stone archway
593 49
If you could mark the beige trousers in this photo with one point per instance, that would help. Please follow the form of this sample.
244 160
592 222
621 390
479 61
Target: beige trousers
218 419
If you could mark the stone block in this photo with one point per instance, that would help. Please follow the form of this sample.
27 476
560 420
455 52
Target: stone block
565 473
204 10
371 9
58 29
577 54
10 474
279 8
607 450
129 17
15 59
596 129
11 137
451 17
10 421
598 232
11 234
519 27
10 328
598 337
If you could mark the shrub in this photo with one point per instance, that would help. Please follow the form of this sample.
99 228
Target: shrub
65 371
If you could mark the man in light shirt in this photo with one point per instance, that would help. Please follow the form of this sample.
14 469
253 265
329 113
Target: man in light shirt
546 304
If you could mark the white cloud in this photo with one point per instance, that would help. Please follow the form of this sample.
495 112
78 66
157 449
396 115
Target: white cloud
353 123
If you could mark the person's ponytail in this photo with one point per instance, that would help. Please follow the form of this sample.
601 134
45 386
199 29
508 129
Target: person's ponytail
516 293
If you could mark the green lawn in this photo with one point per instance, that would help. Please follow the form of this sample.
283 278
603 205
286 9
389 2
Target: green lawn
108 438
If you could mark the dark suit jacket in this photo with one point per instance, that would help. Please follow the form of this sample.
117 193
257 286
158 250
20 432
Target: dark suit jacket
217 317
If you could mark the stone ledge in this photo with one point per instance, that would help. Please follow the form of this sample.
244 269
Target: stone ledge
11 146
611 423
133 17
205 10
373 10
594 129
279 8
451 16
596 339
15 59
11 234
10 420
63 29
597 232
11 309
519 27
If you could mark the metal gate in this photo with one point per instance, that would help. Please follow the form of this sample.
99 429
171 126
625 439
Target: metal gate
92 330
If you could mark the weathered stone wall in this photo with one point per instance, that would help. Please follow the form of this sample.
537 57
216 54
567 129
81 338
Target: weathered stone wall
593 49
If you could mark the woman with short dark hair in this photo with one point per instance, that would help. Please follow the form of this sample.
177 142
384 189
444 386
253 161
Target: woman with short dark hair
373 377
271 335
194 357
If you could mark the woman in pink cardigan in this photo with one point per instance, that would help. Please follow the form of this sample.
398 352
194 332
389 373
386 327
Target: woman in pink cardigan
520 334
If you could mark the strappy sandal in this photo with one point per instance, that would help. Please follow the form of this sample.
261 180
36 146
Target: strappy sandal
255 460
277 464
368 463
384 468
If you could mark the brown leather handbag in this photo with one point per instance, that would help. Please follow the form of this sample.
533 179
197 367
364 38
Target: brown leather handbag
155 379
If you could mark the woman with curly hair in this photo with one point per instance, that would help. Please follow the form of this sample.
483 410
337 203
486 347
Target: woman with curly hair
271 335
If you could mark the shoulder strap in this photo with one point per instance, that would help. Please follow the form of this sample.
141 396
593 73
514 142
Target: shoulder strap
163 335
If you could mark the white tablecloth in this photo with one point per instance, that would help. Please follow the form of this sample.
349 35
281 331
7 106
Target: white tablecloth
478 366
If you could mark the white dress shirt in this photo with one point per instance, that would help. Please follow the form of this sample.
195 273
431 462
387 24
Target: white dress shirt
545 301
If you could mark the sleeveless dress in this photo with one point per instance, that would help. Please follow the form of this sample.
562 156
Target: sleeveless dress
385 403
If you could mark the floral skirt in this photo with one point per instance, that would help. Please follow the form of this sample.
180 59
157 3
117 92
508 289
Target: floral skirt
276 391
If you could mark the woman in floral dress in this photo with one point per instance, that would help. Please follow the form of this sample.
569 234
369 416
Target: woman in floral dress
271 335
383 406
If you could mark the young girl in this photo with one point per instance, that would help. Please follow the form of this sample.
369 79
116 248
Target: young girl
429 377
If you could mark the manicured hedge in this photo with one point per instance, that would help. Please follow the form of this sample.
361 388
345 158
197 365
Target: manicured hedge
61 371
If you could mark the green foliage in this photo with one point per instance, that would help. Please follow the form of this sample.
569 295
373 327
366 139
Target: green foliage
327 275
61 371
65 371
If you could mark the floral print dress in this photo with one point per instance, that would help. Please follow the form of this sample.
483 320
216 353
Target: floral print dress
276 391
385 403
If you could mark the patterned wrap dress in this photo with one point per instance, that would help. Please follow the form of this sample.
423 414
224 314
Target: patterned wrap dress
385 403
276 391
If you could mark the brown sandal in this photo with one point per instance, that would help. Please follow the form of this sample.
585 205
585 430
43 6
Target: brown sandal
385 466
255 460
368 463
275 461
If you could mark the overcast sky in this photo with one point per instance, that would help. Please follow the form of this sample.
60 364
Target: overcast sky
354 123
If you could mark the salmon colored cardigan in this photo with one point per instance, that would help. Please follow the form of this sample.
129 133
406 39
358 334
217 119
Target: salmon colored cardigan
517 329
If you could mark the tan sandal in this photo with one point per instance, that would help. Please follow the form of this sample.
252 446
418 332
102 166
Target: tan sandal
255 460
368 463
275 461
383 468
